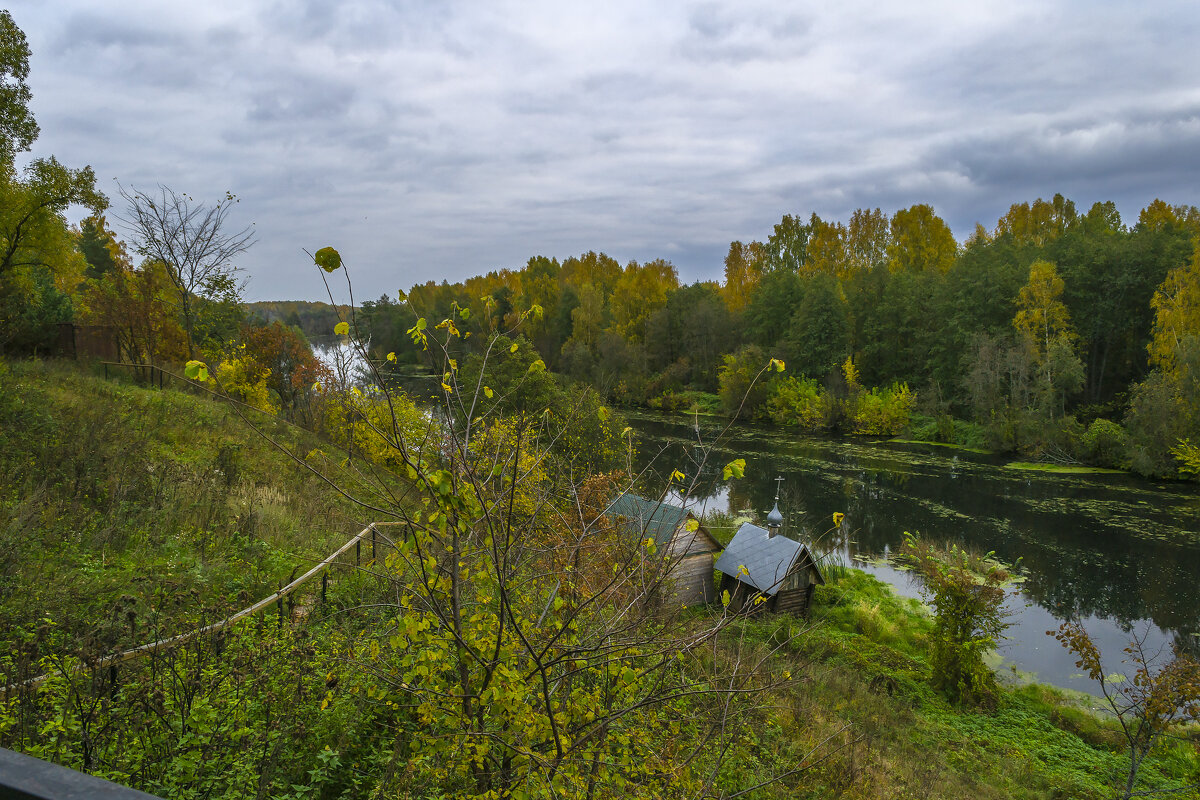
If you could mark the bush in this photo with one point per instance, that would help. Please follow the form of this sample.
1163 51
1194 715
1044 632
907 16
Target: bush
797 401
883 411
967 595
743 392
1104 444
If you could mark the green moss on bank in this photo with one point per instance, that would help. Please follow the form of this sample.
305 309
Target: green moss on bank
1063 469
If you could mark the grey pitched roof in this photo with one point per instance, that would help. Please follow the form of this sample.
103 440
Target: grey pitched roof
767 560
652 518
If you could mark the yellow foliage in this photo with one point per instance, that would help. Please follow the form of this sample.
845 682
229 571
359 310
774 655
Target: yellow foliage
242 380
1176 313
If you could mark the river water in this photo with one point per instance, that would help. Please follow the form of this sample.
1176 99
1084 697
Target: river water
1120 553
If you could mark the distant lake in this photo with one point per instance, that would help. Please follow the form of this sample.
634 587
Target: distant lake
1120 553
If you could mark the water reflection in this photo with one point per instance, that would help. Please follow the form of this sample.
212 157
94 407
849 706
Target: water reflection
1117 552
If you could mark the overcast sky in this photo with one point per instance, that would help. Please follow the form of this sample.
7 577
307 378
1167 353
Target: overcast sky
444 139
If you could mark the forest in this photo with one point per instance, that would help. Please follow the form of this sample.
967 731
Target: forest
1065 336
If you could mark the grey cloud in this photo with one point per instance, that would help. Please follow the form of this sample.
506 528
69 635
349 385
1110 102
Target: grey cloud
431 140
741 33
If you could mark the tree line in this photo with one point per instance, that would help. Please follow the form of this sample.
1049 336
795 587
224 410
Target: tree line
1059 334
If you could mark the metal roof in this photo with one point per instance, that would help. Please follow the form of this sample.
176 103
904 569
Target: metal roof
766 559
653 518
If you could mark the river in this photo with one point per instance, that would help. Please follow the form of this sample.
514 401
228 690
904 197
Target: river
1120 553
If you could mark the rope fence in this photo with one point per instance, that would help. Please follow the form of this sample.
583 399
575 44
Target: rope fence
174 641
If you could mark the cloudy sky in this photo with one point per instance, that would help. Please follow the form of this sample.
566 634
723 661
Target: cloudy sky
431 140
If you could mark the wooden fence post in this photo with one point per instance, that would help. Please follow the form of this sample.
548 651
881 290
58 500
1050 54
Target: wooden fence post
373 538
358 553
324 585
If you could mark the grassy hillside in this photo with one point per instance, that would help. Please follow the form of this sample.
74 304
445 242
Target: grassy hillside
123 505
131 513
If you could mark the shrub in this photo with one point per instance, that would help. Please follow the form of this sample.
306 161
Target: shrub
797 401
1104 444
743 389
967 595
883 411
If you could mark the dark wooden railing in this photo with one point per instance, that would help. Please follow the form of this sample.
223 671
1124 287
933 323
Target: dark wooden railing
24 777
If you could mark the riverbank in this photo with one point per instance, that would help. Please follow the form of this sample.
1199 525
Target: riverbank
868 648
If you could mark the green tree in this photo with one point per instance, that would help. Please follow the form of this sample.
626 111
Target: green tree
768 315
743 389
99 245
18 129
867 238
786 249
817 340
967 595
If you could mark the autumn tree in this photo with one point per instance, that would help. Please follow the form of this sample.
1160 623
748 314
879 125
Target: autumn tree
1043 322
286 360
1160 215
33 230
641 290
136 305
1038 224
1164 413
920 241
743 269
829 248
1176 306
192 239
867 239
39 264
1160 695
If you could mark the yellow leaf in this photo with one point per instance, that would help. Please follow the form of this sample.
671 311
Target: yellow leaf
514 347
342 329
678 476
692 525
391 356
776 364
328 259
488 393
838 517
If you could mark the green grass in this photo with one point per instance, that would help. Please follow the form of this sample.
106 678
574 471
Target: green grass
962 447
868 667
129 511
1063 469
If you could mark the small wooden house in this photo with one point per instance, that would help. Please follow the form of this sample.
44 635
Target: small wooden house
691 552
761 563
